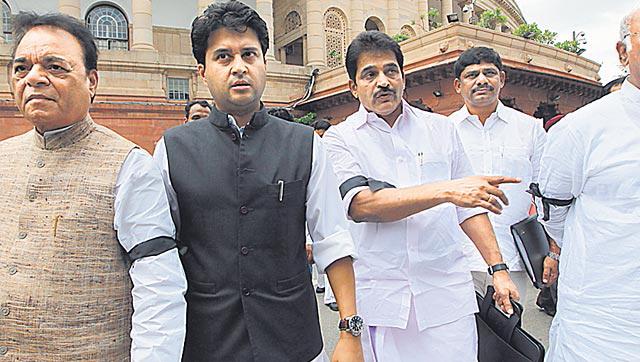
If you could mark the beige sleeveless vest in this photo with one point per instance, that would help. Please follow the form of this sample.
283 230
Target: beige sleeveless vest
65 291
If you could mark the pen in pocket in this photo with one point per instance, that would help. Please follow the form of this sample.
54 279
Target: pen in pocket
281 193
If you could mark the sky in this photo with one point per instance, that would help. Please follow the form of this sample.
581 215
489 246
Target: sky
600 21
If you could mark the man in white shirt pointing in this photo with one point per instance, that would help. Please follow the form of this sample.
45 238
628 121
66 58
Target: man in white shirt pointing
402 175
499 141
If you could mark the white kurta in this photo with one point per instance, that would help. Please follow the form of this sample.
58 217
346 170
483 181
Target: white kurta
418 258
509 144
141 213
593 155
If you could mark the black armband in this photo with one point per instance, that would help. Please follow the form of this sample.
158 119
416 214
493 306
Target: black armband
152 247
357 181
534 190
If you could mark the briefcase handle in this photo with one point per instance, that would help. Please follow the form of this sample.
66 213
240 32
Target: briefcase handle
507 328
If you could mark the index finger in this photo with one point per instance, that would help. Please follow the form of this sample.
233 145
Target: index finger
496 180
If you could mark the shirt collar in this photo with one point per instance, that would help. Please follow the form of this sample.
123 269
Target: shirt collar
630 91
364 116
64 137
222 120
502 113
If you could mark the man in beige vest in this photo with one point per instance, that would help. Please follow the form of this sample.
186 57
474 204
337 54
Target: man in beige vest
88 264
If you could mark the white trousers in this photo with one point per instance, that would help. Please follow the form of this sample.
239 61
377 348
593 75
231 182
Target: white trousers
452 342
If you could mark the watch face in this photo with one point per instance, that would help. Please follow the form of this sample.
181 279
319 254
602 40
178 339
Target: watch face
356 325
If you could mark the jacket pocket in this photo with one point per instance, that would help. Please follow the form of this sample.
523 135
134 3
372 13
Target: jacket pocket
293 283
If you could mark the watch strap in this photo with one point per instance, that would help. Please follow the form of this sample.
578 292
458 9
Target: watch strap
497 267
554 256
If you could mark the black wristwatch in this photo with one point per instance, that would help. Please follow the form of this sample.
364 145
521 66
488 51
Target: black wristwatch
353 324
497 267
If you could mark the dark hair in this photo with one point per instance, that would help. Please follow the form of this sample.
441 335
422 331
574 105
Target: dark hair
201 102
371 41
281 112
476 55
232 14
322 124
25 21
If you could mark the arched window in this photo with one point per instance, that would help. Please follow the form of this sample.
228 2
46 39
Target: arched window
6 22
373 23
408 31
109 25
292 21
335 39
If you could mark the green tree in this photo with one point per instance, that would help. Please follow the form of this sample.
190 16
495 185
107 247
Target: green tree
533 32
399 38
306 119
433 16
570 45
491 18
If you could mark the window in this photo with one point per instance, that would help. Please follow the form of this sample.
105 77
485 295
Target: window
6 22
109 26
335 37
178 89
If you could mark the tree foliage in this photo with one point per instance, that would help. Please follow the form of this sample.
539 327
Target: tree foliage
400 38
569 45
491 18
533 32
306 119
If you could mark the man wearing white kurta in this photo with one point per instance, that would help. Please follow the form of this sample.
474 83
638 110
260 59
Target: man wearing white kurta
593 156
394 163
499 141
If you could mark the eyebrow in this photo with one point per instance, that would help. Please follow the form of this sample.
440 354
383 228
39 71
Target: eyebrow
227 50
47 59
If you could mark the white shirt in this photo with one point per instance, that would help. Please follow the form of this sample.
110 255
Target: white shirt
509 144
141 213
418 257
593 155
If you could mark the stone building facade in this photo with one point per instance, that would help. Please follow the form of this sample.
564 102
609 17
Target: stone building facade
147 71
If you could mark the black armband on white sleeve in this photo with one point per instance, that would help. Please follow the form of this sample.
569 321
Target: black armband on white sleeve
534 190
357 181
152 247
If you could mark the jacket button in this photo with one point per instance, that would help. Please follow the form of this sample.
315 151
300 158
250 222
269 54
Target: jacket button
246 292
4 311
244 250
32 197
12 270
244 210
234 137
22 235
40 164
3 351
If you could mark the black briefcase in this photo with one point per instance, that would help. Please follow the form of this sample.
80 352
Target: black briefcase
533 245
502 339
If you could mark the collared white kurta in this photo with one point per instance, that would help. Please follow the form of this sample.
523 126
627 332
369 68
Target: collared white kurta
418 257
509 144
593 155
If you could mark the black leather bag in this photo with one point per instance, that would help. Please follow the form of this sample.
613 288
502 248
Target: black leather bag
502 339
533 245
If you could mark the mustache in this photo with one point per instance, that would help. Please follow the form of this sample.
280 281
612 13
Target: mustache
377 93
488 87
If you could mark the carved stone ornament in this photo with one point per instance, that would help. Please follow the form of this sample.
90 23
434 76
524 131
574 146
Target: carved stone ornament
568 68
444 46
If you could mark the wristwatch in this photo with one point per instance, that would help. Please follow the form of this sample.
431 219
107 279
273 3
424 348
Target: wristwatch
554 256
353 324
497 267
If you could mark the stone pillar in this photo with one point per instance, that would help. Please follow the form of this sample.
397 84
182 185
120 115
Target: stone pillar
315 34
393 11
447 8
265 9
357 18
142 26
70 7
202 4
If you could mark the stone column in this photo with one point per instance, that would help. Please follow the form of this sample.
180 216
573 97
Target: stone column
315 34
202 4
69 7
447 8
357 18
142 26
265 9
393 11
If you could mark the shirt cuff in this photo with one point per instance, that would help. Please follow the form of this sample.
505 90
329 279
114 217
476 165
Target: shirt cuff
346 201
332 248
465 213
